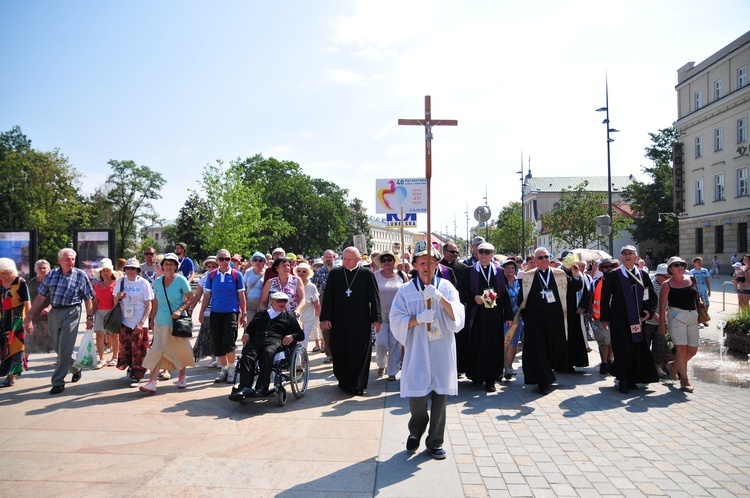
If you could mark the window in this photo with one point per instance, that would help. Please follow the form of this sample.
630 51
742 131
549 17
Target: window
719 187
741 76
698 100
742 237
717 89
719 233
742 182
698 241
699 191
718 139
699 146
742 130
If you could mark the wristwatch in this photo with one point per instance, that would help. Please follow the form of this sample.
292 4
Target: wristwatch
89 317
244 313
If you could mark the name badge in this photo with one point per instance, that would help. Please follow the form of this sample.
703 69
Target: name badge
645 294
550 296
128 311
433 331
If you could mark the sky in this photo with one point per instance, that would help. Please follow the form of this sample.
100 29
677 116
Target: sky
176 85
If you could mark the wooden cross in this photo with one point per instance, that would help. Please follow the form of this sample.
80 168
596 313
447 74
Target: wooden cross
428 123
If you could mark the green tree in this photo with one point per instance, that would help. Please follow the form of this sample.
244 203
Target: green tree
150 242
573 223
357 224
649 199
506 236
130 188
236 208
39 190
188 227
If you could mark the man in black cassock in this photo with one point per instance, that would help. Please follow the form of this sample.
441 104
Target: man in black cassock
545 346
461 272
628 299
351 308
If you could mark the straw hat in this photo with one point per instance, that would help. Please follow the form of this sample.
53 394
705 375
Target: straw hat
104 263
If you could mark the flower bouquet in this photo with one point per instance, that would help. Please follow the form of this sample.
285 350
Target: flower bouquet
489 297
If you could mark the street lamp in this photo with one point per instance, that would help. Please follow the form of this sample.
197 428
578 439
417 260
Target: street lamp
609 163
523 224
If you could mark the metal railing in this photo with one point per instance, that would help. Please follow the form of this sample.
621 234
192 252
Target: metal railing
724 294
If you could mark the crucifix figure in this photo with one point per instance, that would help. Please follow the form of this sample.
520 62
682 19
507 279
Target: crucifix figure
428 123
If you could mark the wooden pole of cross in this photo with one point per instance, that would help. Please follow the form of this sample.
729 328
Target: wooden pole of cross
428 123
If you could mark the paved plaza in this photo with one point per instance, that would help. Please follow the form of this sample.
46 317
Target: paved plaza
101 438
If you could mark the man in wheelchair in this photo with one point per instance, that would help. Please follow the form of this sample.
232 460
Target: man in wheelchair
269 332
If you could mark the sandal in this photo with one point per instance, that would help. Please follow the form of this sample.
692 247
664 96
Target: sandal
100 364
688 388
672 372
112 362
6 382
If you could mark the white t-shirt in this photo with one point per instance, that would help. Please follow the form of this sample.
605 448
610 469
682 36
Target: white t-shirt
311 295
137 293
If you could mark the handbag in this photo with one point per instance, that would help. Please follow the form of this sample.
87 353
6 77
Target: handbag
182 326
700 306
113 318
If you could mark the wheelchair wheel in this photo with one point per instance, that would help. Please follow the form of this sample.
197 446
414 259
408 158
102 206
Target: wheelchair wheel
299 371
281 396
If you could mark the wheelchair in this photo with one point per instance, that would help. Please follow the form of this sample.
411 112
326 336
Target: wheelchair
289 365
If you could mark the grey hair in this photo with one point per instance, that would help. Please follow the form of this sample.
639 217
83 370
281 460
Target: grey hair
540 250
42 262
62 252
8 265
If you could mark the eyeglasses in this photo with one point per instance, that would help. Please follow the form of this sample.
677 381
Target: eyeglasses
258 260
223 259
546 256
302 272
386 259
627 253
680 265
485 251
452 252
148 254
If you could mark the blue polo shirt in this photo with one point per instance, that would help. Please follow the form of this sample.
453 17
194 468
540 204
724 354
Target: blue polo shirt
225 289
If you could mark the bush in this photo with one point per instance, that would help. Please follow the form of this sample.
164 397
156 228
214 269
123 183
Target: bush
741 321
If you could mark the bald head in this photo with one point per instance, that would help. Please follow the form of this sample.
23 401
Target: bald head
351 258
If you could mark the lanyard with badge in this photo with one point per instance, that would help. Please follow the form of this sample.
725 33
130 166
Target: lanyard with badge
546 292
636 274
433 329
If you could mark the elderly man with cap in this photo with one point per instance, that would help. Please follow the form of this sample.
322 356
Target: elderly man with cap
488 311
601 334
628 299
350 310
135 294
543 301
267 334
424 316
474 257
387 348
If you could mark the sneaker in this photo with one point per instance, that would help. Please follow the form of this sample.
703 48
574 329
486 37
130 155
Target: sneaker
165 375
391 378
181 383
134 382
213 364
230 375
149 388
328 359
507 374
222 377
412 443
437 453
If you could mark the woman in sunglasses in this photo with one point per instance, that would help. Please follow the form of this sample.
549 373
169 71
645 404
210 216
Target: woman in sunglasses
387 348
681 294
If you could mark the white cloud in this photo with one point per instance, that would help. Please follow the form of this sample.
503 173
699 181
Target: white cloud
346 77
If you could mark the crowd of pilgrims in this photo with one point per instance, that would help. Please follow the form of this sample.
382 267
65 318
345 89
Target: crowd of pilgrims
563 304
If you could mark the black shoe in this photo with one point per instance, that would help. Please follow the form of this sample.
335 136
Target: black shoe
261 391
76 376
437 453
624 389
412 443
544 389
360 392
242 394
57 389
490 387
603 368
632 385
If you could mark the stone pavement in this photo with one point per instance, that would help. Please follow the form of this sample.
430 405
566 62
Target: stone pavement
101 438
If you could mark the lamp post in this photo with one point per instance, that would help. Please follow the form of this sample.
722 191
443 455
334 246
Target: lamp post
609 162
523 224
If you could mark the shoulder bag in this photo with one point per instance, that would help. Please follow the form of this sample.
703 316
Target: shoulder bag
113 318
700 307
182 326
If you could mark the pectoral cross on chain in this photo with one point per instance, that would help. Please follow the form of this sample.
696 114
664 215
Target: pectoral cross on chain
348 293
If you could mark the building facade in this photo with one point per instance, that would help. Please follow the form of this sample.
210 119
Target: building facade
712 160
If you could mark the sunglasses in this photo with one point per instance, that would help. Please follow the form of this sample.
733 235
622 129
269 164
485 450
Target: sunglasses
452 252
148 254
606 267
223 259
387 259
258 260
680 265
546 256
485 251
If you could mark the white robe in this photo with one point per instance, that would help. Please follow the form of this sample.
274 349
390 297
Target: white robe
428 365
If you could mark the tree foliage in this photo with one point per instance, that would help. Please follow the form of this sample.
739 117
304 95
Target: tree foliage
506 236
130 188
39 190
357 224
650 199
188 228
573 223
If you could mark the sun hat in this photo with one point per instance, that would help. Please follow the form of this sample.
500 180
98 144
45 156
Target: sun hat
509 262
628 248
673 260
662 269
279 296
376 259
210 259
170 256
302 266
278 249
104 263
258 254
132 263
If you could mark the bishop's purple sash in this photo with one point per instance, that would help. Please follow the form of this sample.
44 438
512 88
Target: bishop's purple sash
633 292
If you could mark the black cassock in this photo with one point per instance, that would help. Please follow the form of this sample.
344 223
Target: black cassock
633 361
351 320
578 355
545 347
